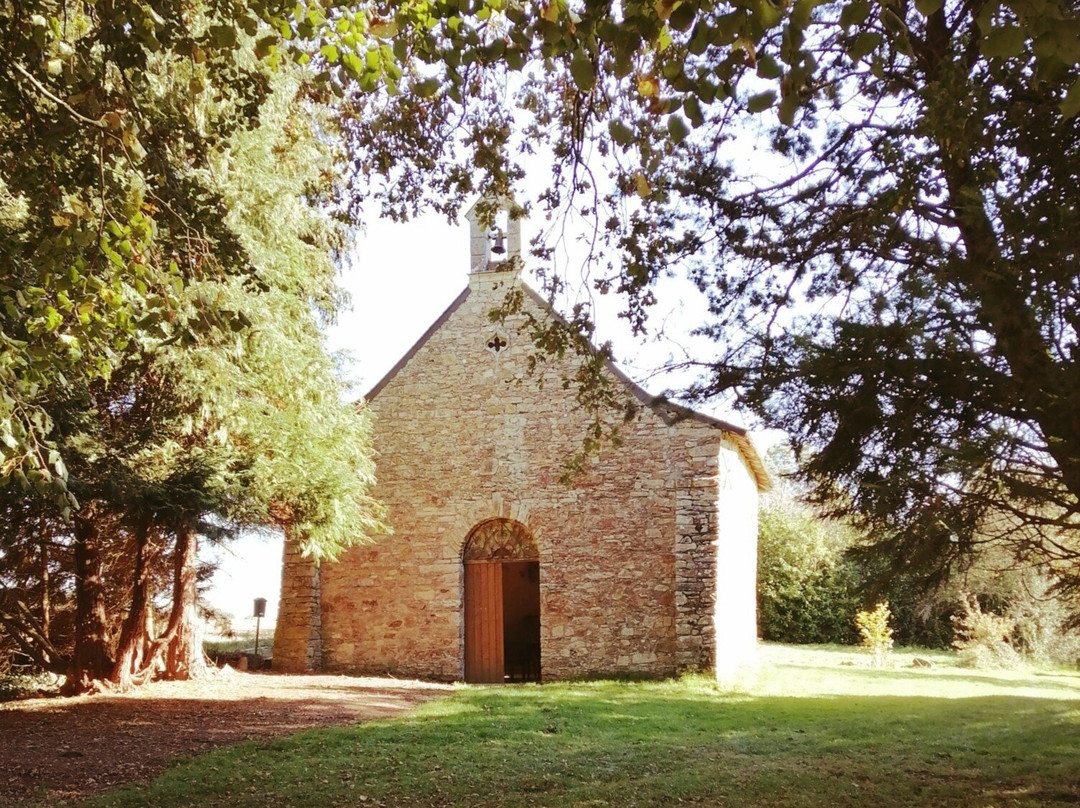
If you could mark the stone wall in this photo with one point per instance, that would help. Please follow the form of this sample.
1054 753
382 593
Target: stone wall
298 635
696 451
628 580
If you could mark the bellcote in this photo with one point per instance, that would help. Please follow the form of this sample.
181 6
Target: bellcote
495 235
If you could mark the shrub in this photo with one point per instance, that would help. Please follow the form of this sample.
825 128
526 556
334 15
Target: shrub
18 685
982 638
877 635
806 589
1041 632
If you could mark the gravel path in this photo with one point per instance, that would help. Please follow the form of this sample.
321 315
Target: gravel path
67 748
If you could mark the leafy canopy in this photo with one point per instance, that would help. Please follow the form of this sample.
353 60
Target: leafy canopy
877 199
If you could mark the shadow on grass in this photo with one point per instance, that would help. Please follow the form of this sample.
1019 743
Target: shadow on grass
597 744
65 747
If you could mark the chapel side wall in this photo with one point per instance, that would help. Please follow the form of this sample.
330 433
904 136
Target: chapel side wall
297 635
697 447
716 552
463 436
736 582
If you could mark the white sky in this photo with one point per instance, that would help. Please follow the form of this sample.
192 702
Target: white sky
402 277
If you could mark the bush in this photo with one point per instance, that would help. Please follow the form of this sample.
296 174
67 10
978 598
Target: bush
1041 632
24 685
982 638
806 589
877 635
813 576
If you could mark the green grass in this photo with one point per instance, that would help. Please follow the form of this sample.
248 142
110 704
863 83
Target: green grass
241 642
811 729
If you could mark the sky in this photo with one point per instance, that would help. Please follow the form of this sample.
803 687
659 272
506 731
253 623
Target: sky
400 279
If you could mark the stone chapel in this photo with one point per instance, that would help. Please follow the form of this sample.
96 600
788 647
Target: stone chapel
498 571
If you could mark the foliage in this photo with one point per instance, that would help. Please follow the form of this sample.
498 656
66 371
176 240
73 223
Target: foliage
106 122
806 589
876 633
983 638
892 278
1043 632
811 580
14 686
887 738
240 643
202 399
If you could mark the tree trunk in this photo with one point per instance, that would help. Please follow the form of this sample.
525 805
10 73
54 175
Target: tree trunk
132 637
184 657
90 661
145 661
46 606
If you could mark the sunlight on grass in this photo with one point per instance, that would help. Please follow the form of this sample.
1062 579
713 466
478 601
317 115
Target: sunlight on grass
845 671
811 727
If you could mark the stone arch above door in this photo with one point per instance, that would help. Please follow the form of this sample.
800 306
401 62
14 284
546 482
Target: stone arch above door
500 539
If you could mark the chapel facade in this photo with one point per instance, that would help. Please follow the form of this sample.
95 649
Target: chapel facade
497 570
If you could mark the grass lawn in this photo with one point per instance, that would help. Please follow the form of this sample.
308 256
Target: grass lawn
810 729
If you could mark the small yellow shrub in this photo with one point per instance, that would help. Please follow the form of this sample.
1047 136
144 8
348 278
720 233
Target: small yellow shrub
876 633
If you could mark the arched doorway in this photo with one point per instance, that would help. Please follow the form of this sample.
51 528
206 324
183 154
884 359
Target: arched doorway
502 603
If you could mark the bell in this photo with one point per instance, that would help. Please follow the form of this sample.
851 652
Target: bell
498 245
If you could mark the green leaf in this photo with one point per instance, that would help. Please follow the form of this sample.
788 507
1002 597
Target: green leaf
515 58
250 24
855 13
384 29
620 133
663 39
929 7
426 88
583 71
765 13
800 13
265 44
330 53
1070 106
352 64
53 319
1004 42
692 107
768 68
222 36
864 44
677 128
682 16
761 101
786 112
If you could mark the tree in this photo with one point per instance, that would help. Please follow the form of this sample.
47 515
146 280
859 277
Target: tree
108 113
210 402
892 277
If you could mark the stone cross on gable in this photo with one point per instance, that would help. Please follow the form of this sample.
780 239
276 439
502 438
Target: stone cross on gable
495 235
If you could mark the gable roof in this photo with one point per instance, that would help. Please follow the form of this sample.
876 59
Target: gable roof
409 354
669 412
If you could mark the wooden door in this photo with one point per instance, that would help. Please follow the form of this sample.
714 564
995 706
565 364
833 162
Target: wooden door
484 622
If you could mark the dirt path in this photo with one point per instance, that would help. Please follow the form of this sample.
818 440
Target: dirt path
68 748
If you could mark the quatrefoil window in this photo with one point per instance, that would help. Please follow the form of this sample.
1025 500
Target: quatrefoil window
496 343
